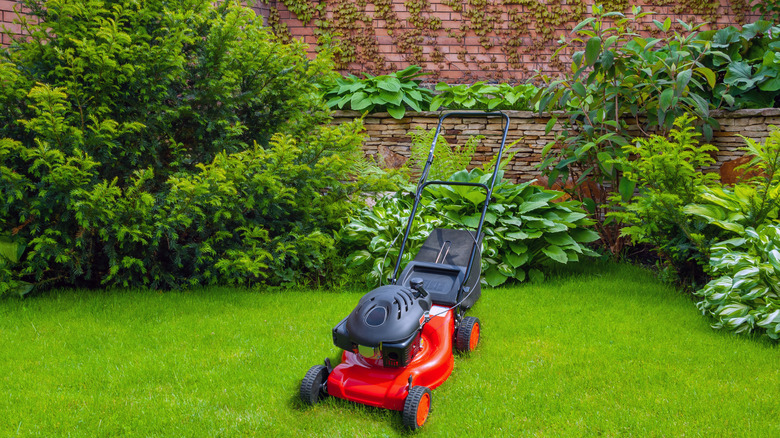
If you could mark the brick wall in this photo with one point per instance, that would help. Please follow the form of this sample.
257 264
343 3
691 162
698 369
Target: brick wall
449 57
7 18
389 137
509 58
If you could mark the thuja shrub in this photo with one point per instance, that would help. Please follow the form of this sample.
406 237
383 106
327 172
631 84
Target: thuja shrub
167 144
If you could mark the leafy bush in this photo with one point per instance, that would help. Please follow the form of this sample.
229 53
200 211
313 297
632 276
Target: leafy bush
751 203
747 62
391 93
168 144
618 78
769 10
482 96
745 296
668 178
525 229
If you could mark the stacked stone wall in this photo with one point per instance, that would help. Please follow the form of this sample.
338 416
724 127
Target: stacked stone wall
389 138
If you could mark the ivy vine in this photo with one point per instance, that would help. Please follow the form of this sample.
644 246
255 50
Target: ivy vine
523 32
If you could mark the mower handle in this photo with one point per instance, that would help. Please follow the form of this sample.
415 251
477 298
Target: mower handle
422 184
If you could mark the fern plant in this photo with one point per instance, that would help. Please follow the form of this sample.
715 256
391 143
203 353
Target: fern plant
449 159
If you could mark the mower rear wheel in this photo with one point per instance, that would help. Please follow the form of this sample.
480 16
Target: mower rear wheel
467 336
313 385
417 407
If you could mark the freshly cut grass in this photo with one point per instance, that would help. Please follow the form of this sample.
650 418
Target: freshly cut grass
598 350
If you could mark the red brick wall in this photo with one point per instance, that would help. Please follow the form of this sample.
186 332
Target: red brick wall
7 18
467 60
447 56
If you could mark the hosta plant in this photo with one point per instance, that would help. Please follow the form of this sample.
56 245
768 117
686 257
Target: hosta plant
525 230
748 61
392 93
483 96
744 296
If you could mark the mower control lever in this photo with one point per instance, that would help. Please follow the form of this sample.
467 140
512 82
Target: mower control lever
416 283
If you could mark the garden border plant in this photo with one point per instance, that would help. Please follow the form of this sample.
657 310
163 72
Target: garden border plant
168 145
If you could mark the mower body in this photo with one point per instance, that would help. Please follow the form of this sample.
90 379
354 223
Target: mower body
368 381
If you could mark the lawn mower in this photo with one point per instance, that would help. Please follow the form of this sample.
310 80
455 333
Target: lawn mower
398 341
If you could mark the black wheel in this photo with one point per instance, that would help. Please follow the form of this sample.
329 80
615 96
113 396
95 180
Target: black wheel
417 407
467 335
313 385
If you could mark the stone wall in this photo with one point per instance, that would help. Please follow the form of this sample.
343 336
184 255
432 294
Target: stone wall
389 137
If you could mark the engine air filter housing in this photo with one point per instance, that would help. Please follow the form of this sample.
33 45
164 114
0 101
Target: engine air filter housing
388 318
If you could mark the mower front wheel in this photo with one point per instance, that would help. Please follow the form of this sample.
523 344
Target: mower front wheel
467 336
313 385
417 407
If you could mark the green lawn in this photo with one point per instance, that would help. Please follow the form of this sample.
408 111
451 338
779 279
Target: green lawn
611 352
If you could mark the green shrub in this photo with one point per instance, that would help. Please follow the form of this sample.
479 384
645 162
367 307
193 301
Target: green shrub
667 173
748 63
391 93
750 203
482 96
524 229
169 144
619 78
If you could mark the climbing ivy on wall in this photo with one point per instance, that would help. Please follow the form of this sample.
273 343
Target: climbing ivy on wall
521 31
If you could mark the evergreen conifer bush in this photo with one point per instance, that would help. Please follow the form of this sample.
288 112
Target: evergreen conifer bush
167 144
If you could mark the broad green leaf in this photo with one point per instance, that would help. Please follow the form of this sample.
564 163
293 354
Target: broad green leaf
516 260
531 206
740 74
495 278
506 269
536 276
518 247
626 188
604 160
556 253
683 78
666 98
389 83
547 128
578 88
592 50
771 85
559 239
10 249
357 258
471 221
583 24
396 112
709 212
395 98
517 235
360 101
708 74
584 236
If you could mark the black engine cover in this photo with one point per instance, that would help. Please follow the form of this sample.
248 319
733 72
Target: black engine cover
387 314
